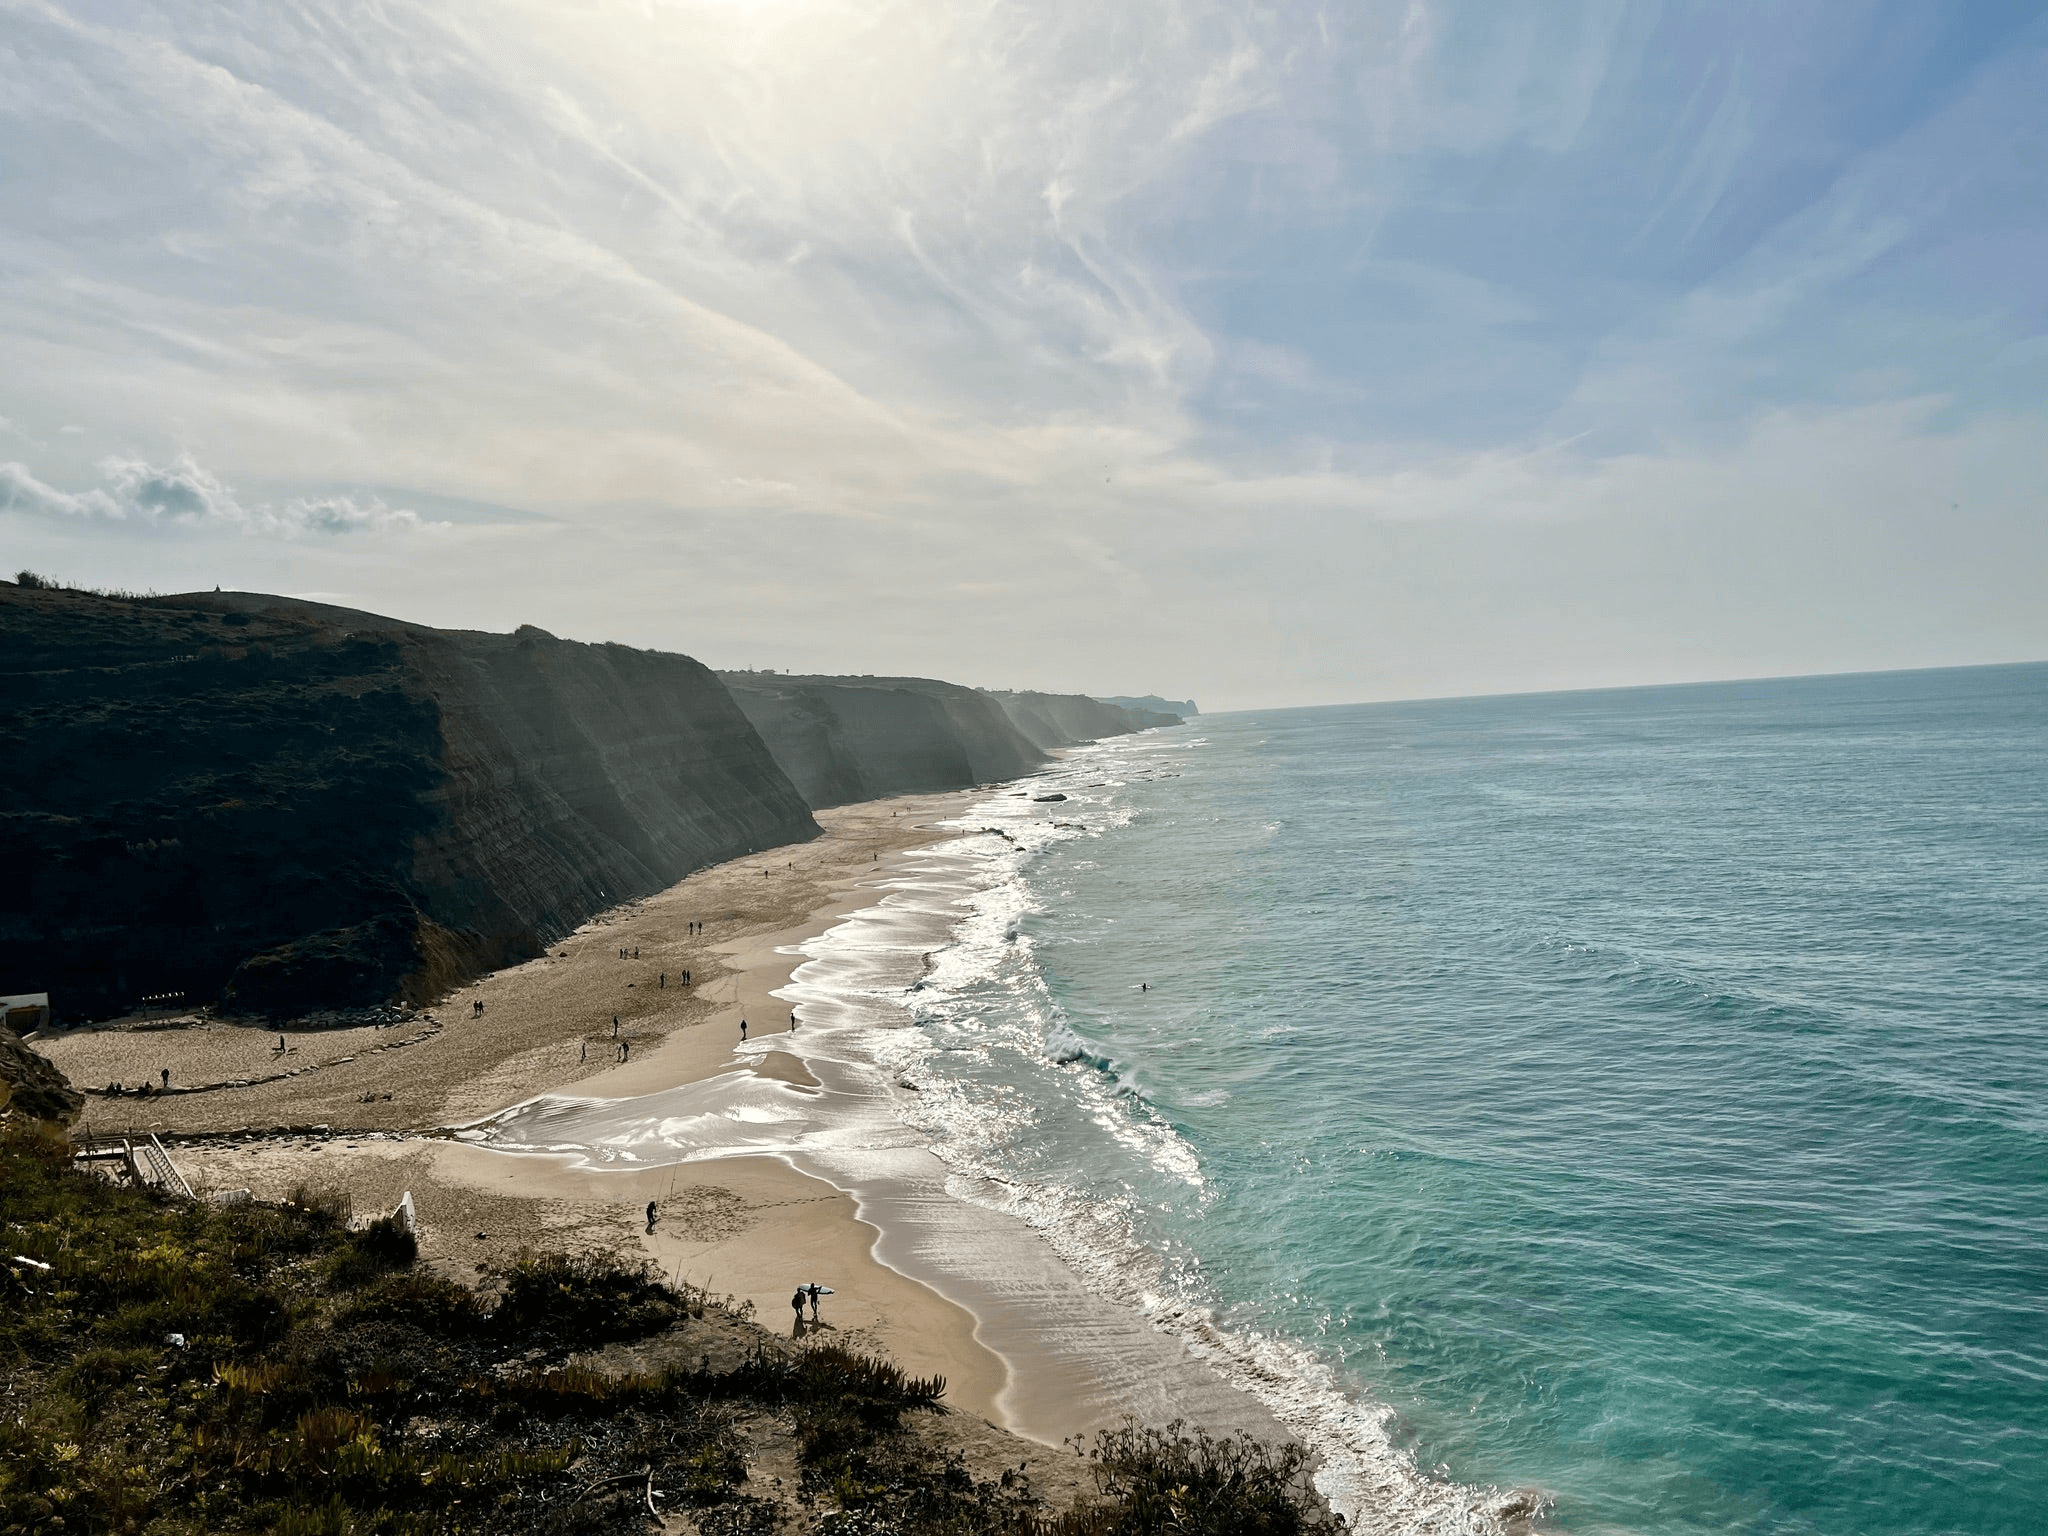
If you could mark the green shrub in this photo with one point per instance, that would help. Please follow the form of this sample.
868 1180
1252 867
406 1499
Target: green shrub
421 1298
96 1375
1170 1481
330 1205
330 1519
381 1246
577 1300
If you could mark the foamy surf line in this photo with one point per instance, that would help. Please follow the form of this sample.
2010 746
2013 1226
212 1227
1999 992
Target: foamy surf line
1061 1286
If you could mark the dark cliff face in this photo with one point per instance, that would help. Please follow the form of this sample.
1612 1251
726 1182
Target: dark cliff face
186 790
843 739
578 775
285 806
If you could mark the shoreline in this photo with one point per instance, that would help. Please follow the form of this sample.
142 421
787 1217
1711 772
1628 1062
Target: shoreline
939 1284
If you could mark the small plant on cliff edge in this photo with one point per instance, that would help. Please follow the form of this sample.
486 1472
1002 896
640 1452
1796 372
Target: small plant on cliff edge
32 581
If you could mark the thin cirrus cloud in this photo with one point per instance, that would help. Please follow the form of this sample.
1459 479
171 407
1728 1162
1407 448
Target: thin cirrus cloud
1072 344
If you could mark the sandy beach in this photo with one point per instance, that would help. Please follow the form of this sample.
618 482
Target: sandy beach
545 1025
939 1286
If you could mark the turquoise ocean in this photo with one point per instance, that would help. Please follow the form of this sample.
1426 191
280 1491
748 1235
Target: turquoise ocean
1637 1096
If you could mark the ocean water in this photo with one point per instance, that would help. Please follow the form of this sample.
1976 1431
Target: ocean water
1640 1097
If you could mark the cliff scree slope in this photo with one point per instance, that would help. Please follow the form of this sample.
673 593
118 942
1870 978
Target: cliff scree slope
284 805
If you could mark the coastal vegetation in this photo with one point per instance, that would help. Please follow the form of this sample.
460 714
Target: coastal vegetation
184 1366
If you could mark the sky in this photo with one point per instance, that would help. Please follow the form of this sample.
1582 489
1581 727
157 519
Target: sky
1261 353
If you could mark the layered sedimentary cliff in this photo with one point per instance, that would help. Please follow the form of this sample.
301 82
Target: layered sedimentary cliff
282 805
843 739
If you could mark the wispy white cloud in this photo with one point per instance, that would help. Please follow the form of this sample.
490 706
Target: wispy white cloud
1050 296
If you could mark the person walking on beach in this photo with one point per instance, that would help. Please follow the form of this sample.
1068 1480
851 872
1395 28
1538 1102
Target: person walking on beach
167 1079
615 1026
797 1303
816 1290
650 1216
664 981
743 1031
583 1054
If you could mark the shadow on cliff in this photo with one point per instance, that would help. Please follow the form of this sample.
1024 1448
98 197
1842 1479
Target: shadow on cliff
284 806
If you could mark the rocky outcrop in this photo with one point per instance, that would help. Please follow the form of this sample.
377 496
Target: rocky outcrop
283 805
32 1085
843 739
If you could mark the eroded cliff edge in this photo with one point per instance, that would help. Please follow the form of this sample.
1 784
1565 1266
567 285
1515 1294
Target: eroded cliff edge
282 805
